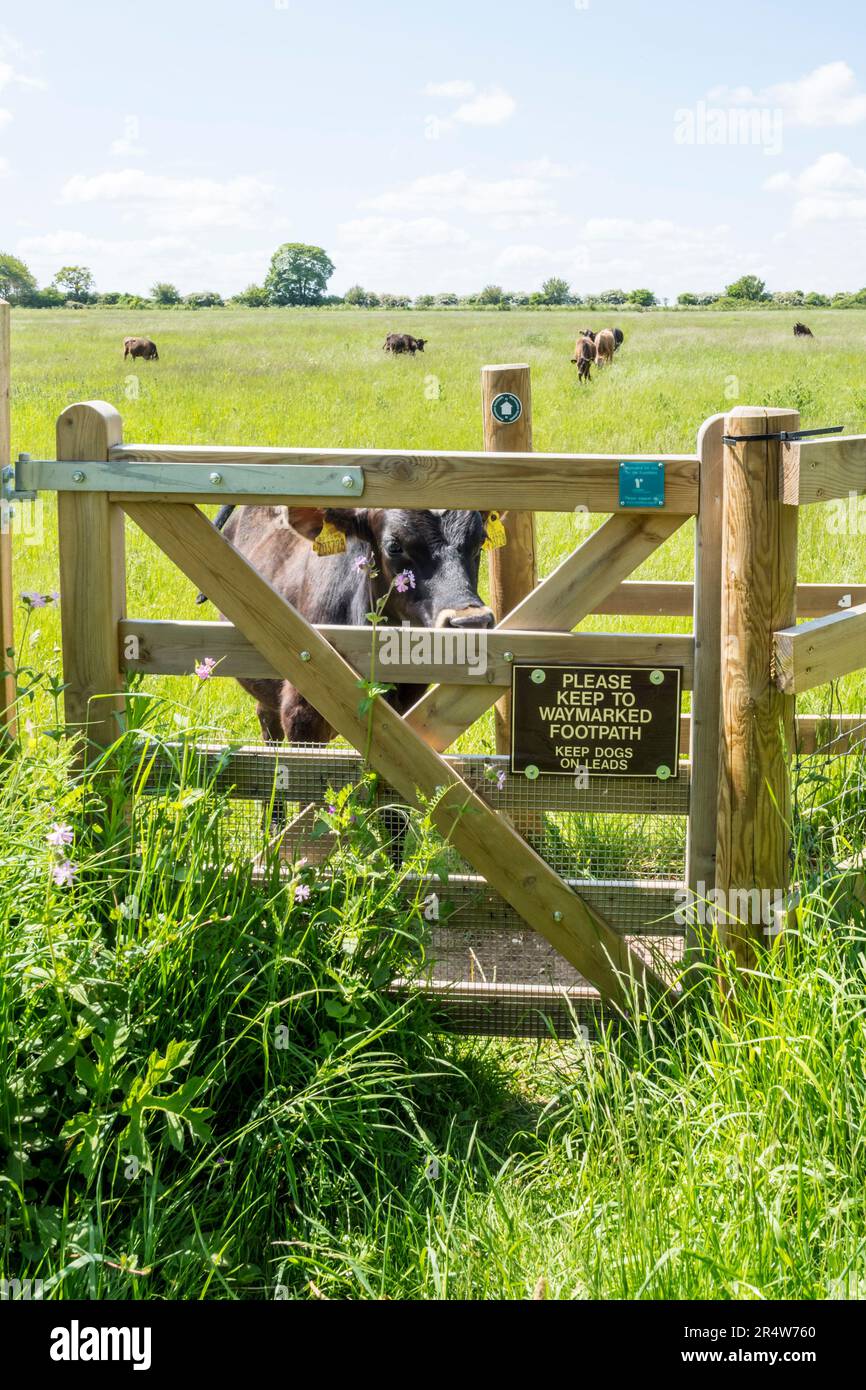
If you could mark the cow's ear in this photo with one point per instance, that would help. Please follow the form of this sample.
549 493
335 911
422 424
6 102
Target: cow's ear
308 521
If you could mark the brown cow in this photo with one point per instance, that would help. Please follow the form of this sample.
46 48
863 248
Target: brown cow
605 346
404 342
584 354
140 347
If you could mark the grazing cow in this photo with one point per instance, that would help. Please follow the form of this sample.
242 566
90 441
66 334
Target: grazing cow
618 337
441 548
140 347
801 331
584 354
404 342
605 346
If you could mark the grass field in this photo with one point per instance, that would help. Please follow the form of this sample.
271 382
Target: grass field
205 1094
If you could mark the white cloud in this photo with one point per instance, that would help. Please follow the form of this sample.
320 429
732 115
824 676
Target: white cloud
490 107
458 191
5 117
454 89
545 168
828 96
12 54
4 166
167 202
395 233
487 106
832 189
137 262
125 147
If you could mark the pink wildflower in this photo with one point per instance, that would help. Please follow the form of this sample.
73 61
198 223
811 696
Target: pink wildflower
404 581
60 835
64 874
302 892
205 669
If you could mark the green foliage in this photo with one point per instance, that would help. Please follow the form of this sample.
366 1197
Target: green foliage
748 287
644 299
76 280
555 290
298 274
253 297
491 294
17 284
165 293
611 297
203 299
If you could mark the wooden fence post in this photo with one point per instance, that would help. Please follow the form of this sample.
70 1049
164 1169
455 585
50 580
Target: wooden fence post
92 580
7 608
759 595
704 750
512 568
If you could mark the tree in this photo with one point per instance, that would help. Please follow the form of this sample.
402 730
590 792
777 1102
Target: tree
253 297
817 301
555 290
164 293
645 299
76 280
424 301
491 294
17 284
748 287
298 274
447 300
395 301
687 298
203 299
611 297
357 295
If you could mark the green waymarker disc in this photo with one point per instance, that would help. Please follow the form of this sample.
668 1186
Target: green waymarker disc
506 408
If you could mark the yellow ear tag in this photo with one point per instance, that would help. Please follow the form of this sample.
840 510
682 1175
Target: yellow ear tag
329 541
494 532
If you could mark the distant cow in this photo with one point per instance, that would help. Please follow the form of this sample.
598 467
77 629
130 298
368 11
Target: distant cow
584 354
801 331
404 342
140 347
605 346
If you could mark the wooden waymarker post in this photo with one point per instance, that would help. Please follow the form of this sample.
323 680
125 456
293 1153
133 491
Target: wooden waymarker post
7 626
759 596
512 568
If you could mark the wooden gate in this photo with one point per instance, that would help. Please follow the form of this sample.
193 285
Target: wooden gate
99 478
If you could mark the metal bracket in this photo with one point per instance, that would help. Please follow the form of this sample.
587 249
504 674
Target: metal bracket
787 436
264 480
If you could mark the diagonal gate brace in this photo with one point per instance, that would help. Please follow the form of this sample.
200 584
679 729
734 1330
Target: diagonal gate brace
397 753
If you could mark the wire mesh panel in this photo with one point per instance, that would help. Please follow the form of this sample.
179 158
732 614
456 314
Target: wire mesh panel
619 843
829 795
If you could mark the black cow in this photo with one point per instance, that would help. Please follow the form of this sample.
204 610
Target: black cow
801 331
441 548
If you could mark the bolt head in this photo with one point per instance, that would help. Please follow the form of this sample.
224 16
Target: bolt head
305 656
508 656
216 477
78 476
557 916
348 480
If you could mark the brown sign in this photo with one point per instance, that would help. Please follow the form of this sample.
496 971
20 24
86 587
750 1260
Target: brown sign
607 721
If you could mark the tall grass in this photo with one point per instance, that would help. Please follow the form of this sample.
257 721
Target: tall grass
207 1091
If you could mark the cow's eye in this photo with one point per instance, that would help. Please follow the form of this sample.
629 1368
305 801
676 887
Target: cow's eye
394 548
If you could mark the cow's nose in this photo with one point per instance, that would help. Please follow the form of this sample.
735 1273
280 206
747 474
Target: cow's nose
476 616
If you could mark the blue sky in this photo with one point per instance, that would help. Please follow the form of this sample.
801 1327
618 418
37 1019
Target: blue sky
437 147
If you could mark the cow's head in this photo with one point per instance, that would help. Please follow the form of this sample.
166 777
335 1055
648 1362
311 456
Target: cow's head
442 549
419 344
586 333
